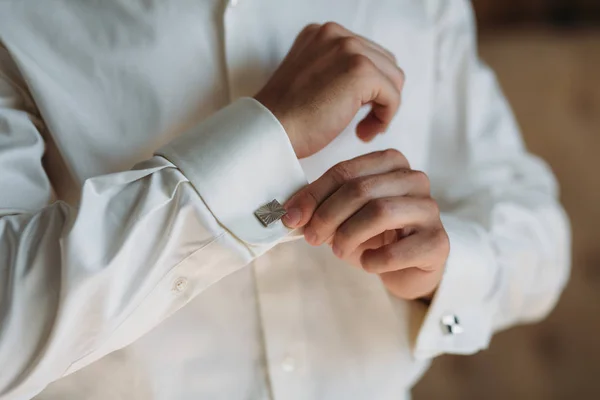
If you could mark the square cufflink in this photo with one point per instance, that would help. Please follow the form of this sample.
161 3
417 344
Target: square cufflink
270 212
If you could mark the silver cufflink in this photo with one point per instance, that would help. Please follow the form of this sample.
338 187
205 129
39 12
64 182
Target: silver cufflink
451 325
270 212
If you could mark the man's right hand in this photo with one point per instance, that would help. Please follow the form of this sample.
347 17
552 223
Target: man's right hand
328 74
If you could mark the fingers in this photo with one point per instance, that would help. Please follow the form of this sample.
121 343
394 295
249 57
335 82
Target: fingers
380 82
306 201
375 67
380 215
384 82
376 242
379 90
383 79
356 193
303 40
386 64
421 250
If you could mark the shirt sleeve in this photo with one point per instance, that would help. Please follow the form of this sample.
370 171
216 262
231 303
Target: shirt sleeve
509 237
78 283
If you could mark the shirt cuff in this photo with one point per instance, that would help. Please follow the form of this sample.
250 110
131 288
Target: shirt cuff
459 319
238 160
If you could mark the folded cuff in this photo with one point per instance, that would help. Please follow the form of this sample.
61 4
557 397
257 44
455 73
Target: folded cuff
463 300
238 160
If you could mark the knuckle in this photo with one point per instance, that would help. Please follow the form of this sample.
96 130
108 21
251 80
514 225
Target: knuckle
435 208
392 154
306 201
329 30
361 188
310 198
342 172
421 179
430 206
341 237
360 64
396 156
380 208
349 44
310 28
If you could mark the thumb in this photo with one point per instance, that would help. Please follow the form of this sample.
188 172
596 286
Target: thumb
299 208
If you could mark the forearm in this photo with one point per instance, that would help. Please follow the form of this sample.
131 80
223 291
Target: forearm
509 236
508 264
141 244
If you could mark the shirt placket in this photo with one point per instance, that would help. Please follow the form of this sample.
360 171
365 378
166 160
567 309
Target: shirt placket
280 309
278 286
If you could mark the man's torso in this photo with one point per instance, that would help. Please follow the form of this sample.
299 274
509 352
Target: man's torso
115 80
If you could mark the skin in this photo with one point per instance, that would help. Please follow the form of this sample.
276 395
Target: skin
374 210
377 214
328 74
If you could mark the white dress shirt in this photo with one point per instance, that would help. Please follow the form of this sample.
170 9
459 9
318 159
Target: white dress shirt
132 160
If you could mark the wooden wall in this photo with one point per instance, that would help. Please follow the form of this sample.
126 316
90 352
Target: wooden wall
498 13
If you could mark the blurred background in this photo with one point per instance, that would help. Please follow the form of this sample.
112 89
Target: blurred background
546 54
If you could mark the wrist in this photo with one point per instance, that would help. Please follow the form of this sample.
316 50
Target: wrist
284 120
288 125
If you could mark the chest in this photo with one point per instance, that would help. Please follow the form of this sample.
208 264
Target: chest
115 80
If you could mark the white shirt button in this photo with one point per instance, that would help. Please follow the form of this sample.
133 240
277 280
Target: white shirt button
288 364
180 285
233 3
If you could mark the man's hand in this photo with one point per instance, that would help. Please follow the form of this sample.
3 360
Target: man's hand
328 74
377 213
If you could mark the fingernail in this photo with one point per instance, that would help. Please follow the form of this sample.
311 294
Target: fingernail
310 235
292 218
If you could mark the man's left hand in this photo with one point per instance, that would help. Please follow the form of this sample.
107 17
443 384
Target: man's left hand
377 214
